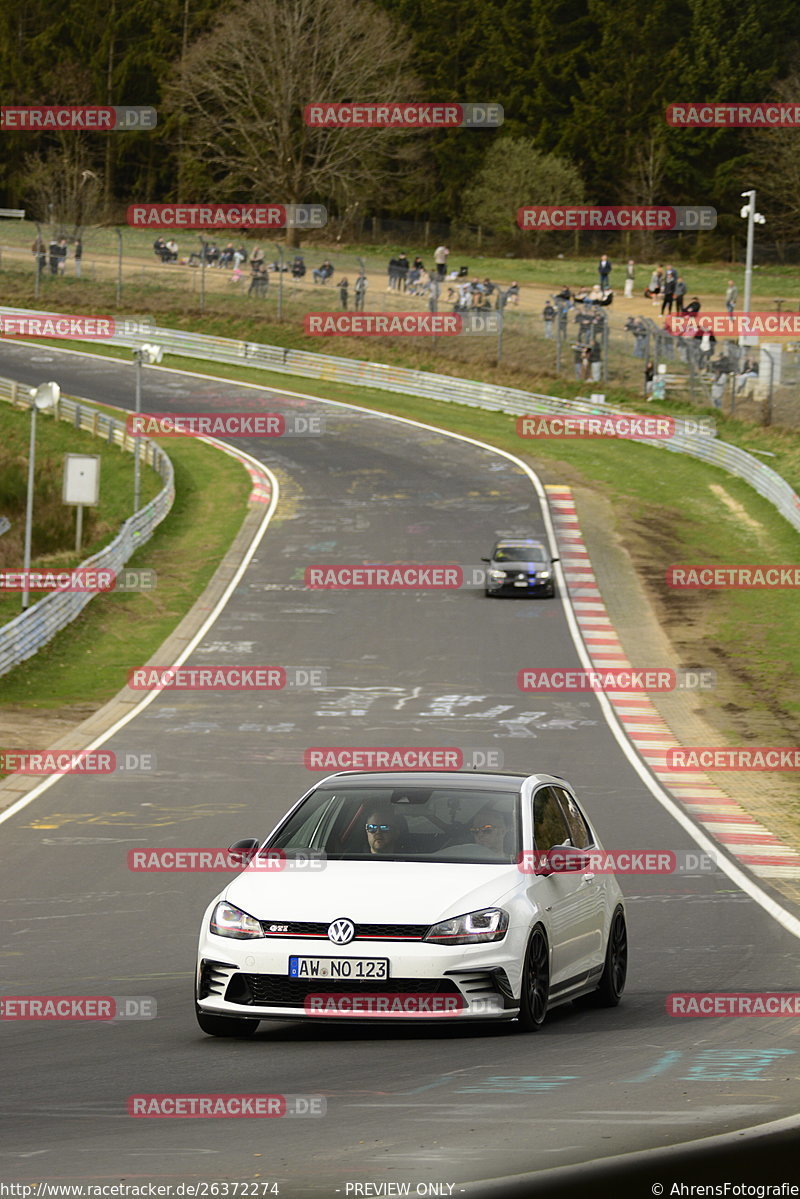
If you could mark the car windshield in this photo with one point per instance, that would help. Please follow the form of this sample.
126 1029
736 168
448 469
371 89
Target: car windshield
519 553
436 824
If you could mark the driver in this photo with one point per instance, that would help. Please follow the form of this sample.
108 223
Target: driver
386 830
489 828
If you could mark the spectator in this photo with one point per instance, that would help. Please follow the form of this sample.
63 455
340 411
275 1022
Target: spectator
256 256
78 257
440 256
418 264
360 292
577 354
259 279
565 294
584 320
391 272
670 282
212 254
172 250
54 253
549 316
343 286
488 287
586 363
62 255
680 292
604 270
629 270
226 257
239 256
595 361
731 296
656 283
511 293
649 371
692 307
749 371
402 271
323 273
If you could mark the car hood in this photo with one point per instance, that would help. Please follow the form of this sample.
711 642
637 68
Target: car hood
368 892
536 564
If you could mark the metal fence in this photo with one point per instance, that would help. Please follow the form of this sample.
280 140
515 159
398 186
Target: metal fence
697 444
23 636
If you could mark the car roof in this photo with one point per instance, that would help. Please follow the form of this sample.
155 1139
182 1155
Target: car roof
518 541
443 778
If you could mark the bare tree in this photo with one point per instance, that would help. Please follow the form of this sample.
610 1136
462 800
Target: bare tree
775 162
242 90
62 188
644 181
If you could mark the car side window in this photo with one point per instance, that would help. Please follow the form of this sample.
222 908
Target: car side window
549 825
578 828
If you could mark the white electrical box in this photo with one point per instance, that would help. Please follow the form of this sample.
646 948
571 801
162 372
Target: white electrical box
81 479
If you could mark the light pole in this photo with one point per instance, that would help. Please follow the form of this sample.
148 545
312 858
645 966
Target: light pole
280 282
119 266
753 218
44 396
144 354
203 249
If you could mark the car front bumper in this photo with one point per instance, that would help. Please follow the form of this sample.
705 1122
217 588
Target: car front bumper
250 980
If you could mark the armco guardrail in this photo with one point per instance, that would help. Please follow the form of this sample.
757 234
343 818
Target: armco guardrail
456 391
23 636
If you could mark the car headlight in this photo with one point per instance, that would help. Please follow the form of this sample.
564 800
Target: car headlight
475 928
497 575
228 921
545 574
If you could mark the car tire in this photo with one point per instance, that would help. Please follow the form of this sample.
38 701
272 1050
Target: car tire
535 987
612 980
225 1026
488 592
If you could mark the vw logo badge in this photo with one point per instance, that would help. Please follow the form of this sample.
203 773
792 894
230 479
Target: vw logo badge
341 932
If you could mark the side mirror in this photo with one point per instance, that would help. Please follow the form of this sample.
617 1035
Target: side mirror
561 859
245 849
554 560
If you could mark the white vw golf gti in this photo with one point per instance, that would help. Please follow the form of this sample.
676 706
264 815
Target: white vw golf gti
412 896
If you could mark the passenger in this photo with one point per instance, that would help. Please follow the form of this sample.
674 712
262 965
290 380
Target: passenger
489 828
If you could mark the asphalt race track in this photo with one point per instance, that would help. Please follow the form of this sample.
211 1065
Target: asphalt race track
422 1105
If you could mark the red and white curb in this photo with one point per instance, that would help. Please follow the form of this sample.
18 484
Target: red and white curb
261 492
720 816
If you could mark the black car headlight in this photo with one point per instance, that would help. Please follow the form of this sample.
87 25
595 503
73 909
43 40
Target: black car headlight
229 921
475 928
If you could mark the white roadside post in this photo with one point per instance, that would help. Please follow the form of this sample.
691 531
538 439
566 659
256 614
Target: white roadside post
81 486
149 354
46 395
753 218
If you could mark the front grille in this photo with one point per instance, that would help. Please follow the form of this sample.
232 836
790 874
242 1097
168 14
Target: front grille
364 932
276 990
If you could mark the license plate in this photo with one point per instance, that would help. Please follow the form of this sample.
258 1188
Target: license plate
352 968
521 584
